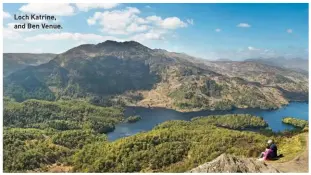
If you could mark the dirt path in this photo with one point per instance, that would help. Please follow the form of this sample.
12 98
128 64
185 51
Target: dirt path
300 164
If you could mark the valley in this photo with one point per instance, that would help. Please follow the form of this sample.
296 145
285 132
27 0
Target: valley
127 87
73 139
124 107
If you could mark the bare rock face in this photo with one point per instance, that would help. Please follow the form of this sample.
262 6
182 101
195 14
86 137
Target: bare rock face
232 164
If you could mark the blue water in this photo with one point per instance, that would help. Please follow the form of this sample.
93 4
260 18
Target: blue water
154 116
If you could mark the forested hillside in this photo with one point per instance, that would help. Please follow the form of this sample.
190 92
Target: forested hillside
69 137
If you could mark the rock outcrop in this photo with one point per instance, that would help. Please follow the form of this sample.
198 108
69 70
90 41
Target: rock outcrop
233 164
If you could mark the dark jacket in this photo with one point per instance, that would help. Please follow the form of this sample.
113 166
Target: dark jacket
274 152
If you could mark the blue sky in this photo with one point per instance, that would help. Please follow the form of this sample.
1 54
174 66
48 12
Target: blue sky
211 31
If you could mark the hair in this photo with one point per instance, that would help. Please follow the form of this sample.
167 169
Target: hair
267 147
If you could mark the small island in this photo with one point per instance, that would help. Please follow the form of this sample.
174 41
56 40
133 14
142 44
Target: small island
234 121
133 119
298 123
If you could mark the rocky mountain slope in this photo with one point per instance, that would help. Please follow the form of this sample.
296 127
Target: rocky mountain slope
226 163
16 61
132 74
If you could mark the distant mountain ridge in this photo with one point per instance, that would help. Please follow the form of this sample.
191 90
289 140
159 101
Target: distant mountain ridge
297 64
16 61
130 73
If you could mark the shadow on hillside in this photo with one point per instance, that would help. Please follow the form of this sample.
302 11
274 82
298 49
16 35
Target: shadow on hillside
294 96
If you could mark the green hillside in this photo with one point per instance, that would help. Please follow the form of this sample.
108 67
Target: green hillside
38 143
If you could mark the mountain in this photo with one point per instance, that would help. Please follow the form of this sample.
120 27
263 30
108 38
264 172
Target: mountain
17 61
223 59
129 73
226 163
297 64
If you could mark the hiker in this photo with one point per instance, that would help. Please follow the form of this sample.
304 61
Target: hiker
264 155
274 150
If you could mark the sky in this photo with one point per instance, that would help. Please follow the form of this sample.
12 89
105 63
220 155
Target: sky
209 31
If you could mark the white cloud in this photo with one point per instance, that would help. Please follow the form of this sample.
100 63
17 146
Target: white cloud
10 34
115 22
62 9
128 21
136 28
217 30
243 25
167 23
190 21
80 37
91 21
88 6
289 30
6 15
173 23
154 19
12 25
150 35
252 48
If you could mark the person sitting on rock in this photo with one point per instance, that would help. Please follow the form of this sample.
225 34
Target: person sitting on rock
274 150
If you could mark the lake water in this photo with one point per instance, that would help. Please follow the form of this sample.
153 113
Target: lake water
152 117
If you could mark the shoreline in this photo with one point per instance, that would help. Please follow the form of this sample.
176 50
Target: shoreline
217 110
154 116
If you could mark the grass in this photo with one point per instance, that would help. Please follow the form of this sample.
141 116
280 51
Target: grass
292 147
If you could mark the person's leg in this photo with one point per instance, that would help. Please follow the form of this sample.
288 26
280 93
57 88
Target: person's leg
261 155
272 155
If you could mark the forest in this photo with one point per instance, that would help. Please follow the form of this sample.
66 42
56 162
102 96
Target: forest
38 134
302 124
61 115
133 119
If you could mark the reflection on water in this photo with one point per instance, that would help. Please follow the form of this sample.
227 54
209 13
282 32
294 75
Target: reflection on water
152 117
